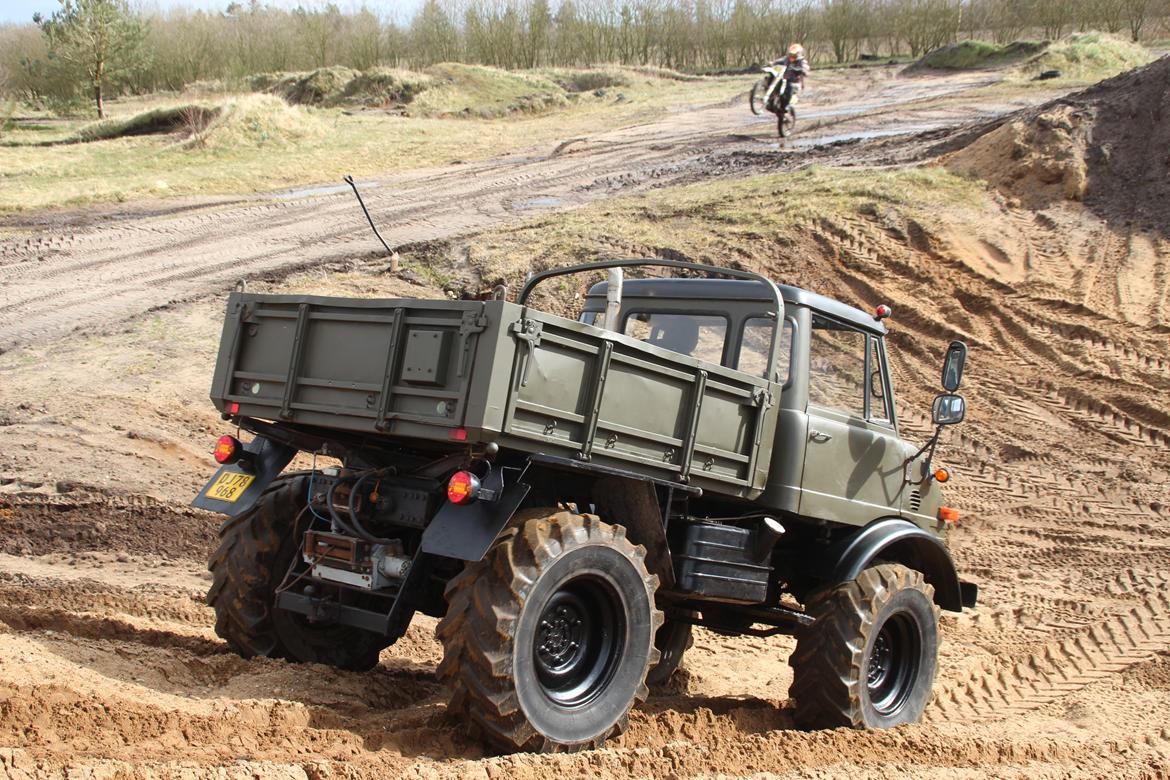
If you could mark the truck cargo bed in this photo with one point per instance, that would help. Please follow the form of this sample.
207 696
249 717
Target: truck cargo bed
471 371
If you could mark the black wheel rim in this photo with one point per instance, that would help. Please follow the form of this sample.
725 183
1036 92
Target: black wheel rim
579 640
892 666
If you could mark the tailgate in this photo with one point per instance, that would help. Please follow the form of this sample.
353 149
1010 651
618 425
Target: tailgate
398 366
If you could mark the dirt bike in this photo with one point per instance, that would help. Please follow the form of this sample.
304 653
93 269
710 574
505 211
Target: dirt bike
771 93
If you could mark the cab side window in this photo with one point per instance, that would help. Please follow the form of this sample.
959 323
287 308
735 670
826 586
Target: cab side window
837 366
757 343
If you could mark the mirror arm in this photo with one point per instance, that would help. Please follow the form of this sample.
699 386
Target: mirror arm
928 449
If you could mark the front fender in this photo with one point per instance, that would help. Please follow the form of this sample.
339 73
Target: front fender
894 540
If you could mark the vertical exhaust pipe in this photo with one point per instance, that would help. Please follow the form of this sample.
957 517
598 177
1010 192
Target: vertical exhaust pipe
613 299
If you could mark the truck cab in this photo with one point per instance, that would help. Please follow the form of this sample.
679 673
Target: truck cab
832 385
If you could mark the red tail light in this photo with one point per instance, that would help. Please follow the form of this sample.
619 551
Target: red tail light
228 450
462 488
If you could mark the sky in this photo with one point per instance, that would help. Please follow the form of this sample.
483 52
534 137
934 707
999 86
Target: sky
19 11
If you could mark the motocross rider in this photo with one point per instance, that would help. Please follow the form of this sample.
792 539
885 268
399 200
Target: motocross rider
796 67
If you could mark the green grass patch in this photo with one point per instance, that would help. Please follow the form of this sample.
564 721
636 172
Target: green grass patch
1089 56
483 92
189 118
273 146
718 222
968 55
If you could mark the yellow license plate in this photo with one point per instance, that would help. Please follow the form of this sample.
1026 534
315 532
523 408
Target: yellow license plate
230 486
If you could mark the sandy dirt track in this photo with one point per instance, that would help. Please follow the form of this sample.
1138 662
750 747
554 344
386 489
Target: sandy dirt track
75 270
109 667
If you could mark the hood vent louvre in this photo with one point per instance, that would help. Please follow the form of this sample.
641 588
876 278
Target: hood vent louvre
915 500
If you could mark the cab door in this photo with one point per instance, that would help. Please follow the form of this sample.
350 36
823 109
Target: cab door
853 457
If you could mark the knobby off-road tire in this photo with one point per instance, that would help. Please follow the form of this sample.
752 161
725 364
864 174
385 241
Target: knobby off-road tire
547 640
869 659
671 641
255 550
786 122
756 97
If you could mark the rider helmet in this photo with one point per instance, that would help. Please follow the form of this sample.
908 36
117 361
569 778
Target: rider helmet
795 51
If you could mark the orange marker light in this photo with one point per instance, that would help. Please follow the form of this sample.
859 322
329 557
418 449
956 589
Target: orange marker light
462 488
948 514
941 475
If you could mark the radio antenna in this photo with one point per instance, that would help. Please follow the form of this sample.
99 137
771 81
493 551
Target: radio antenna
349 180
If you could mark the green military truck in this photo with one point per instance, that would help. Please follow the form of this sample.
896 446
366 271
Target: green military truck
571 497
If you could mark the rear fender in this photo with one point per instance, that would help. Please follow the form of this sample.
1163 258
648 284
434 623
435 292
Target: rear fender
895 540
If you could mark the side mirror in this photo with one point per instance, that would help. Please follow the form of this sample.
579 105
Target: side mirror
952 373
948 409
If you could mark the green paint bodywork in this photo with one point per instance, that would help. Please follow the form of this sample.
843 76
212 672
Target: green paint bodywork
427 370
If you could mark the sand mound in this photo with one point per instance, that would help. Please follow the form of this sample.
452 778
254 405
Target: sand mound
1106 146
1038 159
313 88
480 91
257 120
965 55
1129 158
1088 55
339 86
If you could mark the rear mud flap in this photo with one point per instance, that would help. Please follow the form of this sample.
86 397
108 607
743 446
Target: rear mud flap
466 532
265 460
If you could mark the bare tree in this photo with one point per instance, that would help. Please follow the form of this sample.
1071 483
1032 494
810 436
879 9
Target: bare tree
1138 12
319 31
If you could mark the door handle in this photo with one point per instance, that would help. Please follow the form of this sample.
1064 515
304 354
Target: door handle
819 437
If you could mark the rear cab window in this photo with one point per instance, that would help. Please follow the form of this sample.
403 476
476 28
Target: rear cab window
701 336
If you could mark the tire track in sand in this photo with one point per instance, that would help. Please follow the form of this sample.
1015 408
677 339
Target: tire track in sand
1064 667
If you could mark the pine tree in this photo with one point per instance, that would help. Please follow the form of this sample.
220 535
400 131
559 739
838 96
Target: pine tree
103 38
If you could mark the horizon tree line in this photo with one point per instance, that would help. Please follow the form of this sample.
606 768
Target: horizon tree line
90 48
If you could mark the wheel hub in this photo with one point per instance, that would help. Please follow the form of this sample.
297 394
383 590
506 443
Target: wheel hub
561 633
879 661
891 669
577 643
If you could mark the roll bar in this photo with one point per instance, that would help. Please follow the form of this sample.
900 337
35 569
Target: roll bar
709 270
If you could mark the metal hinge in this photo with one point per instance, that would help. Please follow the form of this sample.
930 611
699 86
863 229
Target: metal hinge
527 331
471 323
